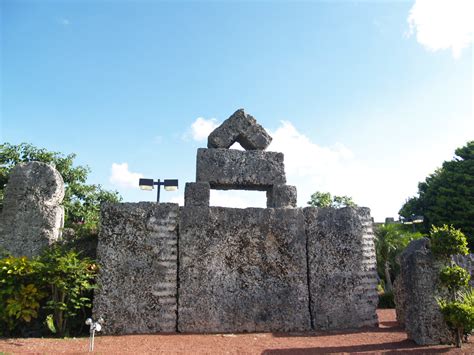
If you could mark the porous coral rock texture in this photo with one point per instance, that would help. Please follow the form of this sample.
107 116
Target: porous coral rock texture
415 295
236 169
242 270
342 269
32 214
137 252
242 128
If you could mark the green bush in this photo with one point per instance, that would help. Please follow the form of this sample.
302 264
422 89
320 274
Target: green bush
460 316
20 294
70 280
58 281
454 277
386 300
447 241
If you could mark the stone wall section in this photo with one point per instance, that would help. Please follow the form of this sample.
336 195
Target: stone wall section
137 252
342 268
242 270
32 215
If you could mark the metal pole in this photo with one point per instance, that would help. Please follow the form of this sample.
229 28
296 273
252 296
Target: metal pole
158 192
91 339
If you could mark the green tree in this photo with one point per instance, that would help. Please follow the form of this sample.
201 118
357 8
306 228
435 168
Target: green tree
447 195
324 199
390 241
457 307
81 201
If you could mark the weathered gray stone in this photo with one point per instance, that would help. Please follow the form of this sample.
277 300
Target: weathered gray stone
241 128
342 271
137 254
32 216
399 294
197 194
281 196
416 288
242 270
235 169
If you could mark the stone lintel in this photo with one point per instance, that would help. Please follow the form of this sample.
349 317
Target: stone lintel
226 169
197 194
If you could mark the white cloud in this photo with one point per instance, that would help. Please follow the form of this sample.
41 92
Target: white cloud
64 22
121 177
311 167
202 127
443 24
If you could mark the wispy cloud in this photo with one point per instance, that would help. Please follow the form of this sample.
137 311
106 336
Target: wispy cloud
64 21
443 24
121 176
202 127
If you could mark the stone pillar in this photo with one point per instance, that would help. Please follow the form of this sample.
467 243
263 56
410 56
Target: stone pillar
32 215
137 254
342 268
197 194
281 196
415 290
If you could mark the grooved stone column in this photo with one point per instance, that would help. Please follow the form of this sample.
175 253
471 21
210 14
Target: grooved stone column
242 270
137 254
342 267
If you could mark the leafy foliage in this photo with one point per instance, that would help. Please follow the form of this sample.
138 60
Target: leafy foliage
454 277
19 296
459 316
447 195
447 241
390 241
324 199
81 201
70 280
57 281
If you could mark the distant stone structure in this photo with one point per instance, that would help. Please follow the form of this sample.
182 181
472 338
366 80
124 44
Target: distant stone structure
415 290
32 214
278 268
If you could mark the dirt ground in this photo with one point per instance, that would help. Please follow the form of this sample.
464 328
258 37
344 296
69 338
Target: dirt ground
389 338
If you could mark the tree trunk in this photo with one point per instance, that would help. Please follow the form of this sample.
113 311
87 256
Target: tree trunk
388 279
459 333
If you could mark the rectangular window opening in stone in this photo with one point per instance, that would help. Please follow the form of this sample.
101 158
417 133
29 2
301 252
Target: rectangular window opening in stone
238 198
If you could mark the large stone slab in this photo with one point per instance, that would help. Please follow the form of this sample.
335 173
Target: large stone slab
416 289
236 169
241 128
137 254
32 214
242 270
342 268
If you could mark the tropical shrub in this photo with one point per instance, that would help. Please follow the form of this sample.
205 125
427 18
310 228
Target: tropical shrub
56 286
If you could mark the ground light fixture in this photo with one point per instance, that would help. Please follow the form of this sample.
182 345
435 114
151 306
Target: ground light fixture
168 184
93 327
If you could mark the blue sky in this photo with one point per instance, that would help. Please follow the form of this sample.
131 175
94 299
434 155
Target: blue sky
365 98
